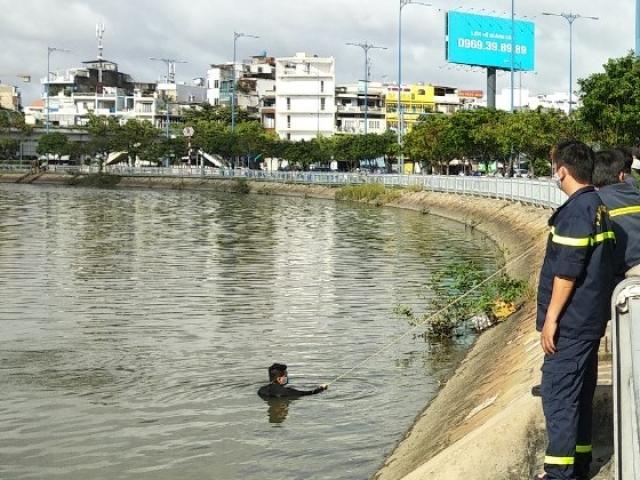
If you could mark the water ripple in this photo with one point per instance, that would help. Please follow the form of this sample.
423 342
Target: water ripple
136 327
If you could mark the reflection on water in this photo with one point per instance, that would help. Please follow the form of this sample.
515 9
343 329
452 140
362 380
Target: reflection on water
136 328
278 409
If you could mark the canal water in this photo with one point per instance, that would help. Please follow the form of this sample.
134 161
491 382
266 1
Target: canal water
136 327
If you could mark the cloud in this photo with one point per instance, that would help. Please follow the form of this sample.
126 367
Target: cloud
201 32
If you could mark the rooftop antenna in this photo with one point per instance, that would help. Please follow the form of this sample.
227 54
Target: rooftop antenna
100 35
171 67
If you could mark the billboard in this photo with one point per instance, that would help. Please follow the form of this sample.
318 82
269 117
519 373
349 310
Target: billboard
484 41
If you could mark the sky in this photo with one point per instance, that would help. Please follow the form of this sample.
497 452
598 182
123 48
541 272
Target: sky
200 32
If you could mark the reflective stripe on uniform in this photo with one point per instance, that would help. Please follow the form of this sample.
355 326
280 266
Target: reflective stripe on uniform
581 241
569 241
624 211
549 460
584 448
601 237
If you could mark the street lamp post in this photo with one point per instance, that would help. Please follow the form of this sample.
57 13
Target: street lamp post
50 50
403 3
570 17
236 36
366 47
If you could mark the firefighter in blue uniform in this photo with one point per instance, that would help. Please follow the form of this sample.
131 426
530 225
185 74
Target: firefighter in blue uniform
574 294
623 201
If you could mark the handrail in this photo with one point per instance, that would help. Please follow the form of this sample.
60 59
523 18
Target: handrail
625 313
536 192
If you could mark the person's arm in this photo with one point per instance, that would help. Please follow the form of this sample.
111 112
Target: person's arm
293 392
562 290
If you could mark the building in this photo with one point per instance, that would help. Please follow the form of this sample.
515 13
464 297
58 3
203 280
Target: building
96 88
220 82
350 108
305 97
416 100
446 99
174 98
255 79
10 98
524 100
99 88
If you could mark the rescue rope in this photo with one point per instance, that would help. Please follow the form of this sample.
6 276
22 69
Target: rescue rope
434 315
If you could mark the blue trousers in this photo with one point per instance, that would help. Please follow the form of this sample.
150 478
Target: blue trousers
569 379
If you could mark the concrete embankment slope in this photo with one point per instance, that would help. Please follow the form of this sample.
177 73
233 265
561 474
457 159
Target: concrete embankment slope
484 423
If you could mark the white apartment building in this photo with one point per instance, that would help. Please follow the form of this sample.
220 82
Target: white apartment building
255 79
219 83
305 97
350 108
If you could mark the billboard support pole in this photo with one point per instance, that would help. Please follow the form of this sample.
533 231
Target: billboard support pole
491 87
637 28
513 50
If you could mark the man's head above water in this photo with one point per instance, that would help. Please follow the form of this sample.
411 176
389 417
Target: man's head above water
278 373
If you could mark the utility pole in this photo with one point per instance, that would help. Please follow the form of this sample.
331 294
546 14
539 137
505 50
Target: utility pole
50 50
236 36
171 80
570 17
403 3
366 47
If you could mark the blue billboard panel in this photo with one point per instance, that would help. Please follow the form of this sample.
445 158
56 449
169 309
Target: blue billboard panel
485 41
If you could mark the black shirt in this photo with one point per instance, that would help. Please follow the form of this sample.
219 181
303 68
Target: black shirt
275 390
581 246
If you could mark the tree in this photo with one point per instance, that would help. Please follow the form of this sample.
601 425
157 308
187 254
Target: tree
300 154
54 143
344 150
432 142
136 137
611 102
210 113
8 148
250 139
214 137
105 133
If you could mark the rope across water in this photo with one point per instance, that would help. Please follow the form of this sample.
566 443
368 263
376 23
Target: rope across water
434 315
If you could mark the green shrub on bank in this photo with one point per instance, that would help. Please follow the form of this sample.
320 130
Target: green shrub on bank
240 185
370 192
493 298
102 180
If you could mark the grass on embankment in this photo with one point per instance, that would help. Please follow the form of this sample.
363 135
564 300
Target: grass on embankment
374 193
95 180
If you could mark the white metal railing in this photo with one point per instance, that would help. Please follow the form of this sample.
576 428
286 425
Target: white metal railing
532 191
542 193
626 379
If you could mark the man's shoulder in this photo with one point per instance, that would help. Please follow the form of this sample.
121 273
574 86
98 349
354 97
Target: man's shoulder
588 198
584 205
266 390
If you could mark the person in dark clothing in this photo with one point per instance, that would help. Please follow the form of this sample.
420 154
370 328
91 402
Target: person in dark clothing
623 201
574 292
627 155
278 389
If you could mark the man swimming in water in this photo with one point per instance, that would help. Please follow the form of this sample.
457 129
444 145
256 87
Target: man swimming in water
278 389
